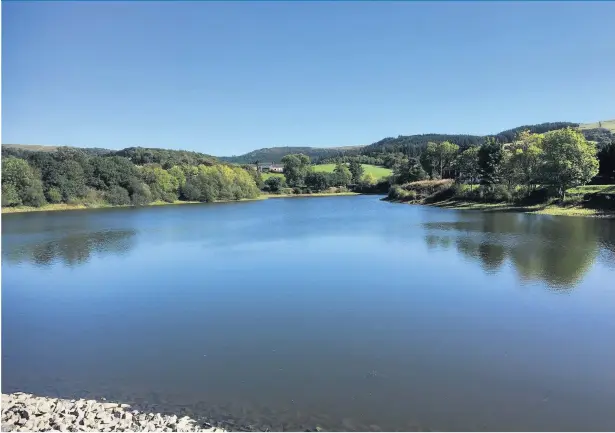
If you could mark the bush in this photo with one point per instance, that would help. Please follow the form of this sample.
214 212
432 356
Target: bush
495 193
33 196
10 197
140 193
274 184
117 196
54 195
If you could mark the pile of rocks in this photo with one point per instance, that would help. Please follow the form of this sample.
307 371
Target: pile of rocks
25 412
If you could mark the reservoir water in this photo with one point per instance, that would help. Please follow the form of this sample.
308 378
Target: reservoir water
346 313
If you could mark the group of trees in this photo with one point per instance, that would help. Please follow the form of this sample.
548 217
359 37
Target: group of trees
129 177
558 159
299 175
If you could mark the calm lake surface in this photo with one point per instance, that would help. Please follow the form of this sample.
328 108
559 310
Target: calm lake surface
344 312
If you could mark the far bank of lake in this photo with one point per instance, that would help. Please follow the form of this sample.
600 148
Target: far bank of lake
552 209
64 206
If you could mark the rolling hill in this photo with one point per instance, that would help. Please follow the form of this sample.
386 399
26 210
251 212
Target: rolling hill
275 154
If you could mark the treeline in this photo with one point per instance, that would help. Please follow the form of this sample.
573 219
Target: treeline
299 177
275 154
547 164
132 176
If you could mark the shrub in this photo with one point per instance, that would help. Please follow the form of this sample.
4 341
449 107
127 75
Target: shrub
10 197
117 196
54 195
140 193
495 193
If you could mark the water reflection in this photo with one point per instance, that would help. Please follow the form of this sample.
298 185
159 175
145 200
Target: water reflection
71 250
556 250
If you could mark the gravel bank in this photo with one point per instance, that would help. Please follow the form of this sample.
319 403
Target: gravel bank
25 412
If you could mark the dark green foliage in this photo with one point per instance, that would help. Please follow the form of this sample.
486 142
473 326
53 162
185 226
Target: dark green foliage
54 195
167 158
140 194
317 181
356 169
22 183
510 135
409 170
75 176
490 157
10 195
107 172
296 168
275 154
117 196
606 156
274 184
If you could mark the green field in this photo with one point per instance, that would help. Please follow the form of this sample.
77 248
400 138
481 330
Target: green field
377 172
266 176
607 124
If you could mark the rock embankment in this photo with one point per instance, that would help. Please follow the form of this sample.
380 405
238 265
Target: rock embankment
25 412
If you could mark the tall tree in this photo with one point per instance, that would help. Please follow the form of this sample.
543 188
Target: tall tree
490 157
440 156
21 183
356 169
296 167
569 159
343 176
467 166
526 159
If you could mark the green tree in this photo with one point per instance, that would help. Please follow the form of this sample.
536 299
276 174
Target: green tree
490 156
274 184
296 168
369 179
22 183
356 169
162 184
526 159
569 159
10 196
466 165
409 170
440 156
316 181
117 196
343 176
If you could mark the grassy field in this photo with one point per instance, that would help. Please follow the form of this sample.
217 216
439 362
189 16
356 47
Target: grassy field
377 172
606 124
266 176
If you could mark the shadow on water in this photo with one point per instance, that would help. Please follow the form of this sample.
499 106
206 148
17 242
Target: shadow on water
556 250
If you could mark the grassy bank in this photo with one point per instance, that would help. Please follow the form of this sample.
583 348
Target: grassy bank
588 200
64 206
374 170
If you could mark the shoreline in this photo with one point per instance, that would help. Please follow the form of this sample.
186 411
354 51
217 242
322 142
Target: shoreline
537 209
65 207
27 412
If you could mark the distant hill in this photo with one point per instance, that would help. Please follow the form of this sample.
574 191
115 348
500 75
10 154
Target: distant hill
137 155
605 124
45 148
275 154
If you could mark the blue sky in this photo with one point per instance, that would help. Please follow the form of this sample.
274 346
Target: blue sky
227 78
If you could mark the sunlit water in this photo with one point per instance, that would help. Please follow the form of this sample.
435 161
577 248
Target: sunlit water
348 313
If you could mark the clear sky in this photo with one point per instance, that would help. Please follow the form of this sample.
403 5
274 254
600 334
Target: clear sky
227 78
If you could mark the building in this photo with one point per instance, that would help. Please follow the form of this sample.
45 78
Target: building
271 167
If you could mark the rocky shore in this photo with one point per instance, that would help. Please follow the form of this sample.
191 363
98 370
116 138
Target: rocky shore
25 412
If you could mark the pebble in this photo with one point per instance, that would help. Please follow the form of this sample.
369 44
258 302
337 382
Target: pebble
25 412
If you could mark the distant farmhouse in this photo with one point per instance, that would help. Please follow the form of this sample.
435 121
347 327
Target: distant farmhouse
270 167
